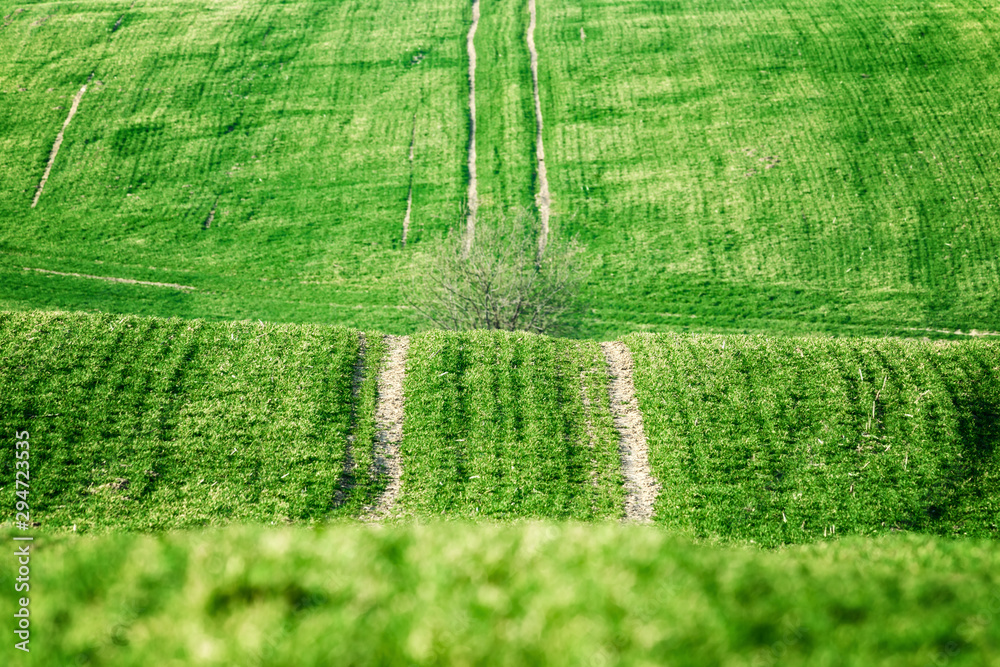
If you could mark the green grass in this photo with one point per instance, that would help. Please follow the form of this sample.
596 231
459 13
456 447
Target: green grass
292 120
505 131
496 427
526 594
142 425
145 424
811 166
780 166
788 440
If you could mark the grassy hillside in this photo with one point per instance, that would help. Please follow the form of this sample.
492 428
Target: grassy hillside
255 151
791 440
559 594
147 424
508 425
780 167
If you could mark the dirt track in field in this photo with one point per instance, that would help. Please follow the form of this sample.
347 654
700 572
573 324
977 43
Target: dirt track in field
640 486
58 143
128 281
409 195
542 198
389 424
958 332
211 215
473 197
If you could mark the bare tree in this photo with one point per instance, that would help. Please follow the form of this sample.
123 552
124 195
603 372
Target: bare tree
500 282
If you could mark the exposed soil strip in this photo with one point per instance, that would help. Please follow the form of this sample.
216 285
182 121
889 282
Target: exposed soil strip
389 424
58 143
409 195
114 280
473 198
347 479
7 19
640 486
542 198
211 216
121 19
972 332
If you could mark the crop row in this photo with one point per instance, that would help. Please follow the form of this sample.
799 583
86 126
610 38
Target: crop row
148 423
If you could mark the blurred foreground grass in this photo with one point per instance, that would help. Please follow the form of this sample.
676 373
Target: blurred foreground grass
513 594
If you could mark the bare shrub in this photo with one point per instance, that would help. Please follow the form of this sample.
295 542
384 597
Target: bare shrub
501 282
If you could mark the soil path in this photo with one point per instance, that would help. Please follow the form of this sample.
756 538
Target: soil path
640 486
211 215
542 198
114 280
957 332
389 422
473 198
409 194
58 143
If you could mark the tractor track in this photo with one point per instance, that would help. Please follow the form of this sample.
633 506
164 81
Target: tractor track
640 486
543 198
389 413
128 281
58 142
473 196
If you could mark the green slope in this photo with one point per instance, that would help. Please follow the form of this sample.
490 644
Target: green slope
778 165
783 167
148 424
530 594
292 121
792 440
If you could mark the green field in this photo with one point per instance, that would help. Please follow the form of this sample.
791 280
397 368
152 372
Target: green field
497 426
786 167
796 439
784 204
292 121
142 423
139 426
778 166
145 424
525 594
